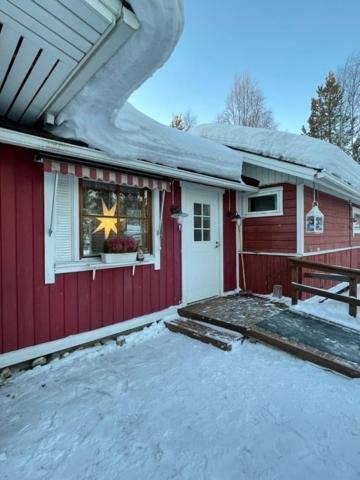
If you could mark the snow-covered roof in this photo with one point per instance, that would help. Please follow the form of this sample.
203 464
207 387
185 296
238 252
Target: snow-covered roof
289 147
133 135
99 116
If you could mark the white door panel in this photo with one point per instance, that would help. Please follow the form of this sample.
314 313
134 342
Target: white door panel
201 243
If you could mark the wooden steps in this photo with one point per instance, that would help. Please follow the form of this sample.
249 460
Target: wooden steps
204 333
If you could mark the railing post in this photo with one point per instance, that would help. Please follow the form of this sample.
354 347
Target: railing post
353 293
294 278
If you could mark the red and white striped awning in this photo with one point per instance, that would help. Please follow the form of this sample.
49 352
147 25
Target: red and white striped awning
104 175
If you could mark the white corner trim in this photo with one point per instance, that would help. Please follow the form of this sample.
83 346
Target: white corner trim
300 245
278 191
29 353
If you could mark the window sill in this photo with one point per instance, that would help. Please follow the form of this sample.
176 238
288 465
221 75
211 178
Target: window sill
272 213
96 264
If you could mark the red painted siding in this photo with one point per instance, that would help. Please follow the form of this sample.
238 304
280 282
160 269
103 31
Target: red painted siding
337 223
273 234
265 271
262 272
32 312
229 229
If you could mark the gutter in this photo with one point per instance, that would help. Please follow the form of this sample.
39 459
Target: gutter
47 145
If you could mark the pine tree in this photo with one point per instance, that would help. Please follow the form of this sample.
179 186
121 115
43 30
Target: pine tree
328 119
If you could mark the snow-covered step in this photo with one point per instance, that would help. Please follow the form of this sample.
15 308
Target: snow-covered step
217 337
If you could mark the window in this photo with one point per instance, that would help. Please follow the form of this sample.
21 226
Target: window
356 220
266 202
202 222
110 211
80 215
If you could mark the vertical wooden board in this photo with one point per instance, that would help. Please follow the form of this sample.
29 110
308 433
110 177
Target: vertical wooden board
57 308
146 292
96 301
41 291
71 296
155 290
107 297
8 250
84 279
118 283
128 298
170 265
137 292
24 249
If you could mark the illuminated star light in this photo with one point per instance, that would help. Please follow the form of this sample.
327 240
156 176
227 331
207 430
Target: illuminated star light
107 223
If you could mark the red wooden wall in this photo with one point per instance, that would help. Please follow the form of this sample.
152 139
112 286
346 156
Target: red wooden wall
265 271
337 223
229 229
32 312
273 234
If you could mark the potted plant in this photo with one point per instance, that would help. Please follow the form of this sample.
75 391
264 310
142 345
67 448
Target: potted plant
120 250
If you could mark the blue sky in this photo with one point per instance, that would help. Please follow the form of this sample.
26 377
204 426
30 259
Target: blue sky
287 46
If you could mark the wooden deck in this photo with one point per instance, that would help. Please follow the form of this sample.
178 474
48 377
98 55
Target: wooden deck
329 345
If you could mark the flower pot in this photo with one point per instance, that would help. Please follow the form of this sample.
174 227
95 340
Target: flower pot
128 257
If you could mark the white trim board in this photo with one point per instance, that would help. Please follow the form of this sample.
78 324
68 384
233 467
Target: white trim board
300 219
33 142
29 353
305 254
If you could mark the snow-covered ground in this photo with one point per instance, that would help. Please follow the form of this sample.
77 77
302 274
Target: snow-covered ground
167 407
331 310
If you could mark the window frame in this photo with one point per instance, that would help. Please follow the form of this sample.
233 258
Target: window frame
355 230
264 192
77 264
147 219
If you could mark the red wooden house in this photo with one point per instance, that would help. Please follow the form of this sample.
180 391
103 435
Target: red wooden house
70 215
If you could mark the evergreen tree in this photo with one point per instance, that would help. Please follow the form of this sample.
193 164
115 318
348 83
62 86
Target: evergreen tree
328 119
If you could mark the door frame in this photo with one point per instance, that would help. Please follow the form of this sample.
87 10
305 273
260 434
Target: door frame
187 188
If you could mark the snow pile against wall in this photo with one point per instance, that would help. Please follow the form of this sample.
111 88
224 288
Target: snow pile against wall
99 116
290 147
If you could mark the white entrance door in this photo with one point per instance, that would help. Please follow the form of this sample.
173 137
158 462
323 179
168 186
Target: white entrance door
202 265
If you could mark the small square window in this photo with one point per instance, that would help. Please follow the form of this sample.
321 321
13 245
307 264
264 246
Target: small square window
197 236
266 203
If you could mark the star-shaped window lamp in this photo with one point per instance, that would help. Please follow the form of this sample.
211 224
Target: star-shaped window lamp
107 221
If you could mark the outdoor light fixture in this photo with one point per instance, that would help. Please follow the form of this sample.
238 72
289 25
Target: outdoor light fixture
177 214
236 218
315 219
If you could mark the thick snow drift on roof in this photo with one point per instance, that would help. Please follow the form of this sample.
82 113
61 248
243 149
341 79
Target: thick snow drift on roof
133 135
98 117
293 148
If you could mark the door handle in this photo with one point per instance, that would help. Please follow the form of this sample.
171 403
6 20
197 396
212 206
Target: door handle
217 244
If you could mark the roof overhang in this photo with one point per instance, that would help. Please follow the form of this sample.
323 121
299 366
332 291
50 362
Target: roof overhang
328 182
49 50
65 149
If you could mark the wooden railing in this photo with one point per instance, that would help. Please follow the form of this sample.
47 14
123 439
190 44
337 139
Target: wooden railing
333 273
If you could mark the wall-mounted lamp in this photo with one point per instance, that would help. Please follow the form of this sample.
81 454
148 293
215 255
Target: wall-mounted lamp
177 214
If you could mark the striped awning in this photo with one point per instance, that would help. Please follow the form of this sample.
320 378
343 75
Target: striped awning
104 175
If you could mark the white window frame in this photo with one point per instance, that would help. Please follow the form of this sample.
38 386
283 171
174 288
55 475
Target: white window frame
87 264
356 230
278 191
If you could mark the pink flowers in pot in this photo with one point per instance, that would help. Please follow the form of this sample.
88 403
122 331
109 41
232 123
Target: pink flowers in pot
121 245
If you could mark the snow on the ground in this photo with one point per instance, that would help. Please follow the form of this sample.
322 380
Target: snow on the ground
168 407
291 147
99 116
331 310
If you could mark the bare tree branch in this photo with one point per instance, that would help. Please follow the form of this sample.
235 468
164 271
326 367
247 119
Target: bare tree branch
245 105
